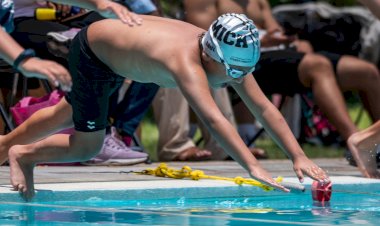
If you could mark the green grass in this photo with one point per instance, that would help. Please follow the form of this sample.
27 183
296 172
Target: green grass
312 151
150 137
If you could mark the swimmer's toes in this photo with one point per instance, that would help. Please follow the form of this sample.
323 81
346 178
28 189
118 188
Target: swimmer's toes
15 187
22 188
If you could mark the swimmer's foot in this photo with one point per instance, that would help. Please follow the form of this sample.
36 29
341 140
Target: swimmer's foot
193 154
364 156
21 175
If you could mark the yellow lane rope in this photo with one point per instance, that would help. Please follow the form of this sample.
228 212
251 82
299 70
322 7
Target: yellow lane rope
186 172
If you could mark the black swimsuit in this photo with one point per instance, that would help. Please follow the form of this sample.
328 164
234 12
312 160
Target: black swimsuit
93 84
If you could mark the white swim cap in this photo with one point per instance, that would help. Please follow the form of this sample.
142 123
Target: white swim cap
233 39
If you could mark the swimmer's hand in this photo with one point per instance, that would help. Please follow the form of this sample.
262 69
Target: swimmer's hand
46 69
303 165
264 177
111 9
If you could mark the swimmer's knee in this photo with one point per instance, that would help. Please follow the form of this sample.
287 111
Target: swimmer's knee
20 149
86 153
86 145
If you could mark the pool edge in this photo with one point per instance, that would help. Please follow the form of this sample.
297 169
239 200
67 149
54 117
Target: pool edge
170 188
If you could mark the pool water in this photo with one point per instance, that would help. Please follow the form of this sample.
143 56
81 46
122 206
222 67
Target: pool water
273 208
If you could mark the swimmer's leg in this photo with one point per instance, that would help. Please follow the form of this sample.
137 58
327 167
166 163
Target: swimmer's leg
41 124
59 148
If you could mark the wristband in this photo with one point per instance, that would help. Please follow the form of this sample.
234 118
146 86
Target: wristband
26 54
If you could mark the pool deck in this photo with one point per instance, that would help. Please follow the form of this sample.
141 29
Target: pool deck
80 178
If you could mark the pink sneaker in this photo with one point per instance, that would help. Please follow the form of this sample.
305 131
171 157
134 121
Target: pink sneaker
115 152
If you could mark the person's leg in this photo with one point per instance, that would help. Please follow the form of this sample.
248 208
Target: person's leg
60 148
129 112
354 74
363 146
41 124
289 72
316 72
171 112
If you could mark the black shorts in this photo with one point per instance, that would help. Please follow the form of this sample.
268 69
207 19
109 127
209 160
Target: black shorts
93 84
277 71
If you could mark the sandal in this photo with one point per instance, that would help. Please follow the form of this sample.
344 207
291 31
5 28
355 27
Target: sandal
193 154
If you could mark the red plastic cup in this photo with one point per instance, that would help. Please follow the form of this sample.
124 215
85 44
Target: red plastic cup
321 192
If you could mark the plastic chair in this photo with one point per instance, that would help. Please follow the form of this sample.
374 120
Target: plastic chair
6 68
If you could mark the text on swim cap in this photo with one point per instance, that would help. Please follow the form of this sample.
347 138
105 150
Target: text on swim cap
221 33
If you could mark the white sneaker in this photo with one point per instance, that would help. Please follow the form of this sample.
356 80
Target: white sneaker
59 42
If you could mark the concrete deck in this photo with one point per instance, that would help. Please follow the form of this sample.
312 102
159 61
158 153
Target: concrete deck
79 174
96 177
75 185
82 183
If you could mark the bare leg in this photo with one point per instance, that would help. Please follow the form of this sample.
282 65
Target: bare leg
358 75
41 124
363 148
316 72
57 148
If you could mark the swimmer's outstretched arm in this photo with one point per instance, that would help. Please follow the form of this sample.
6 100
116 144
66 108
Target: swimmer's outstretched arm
106 8
194 87
275 124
